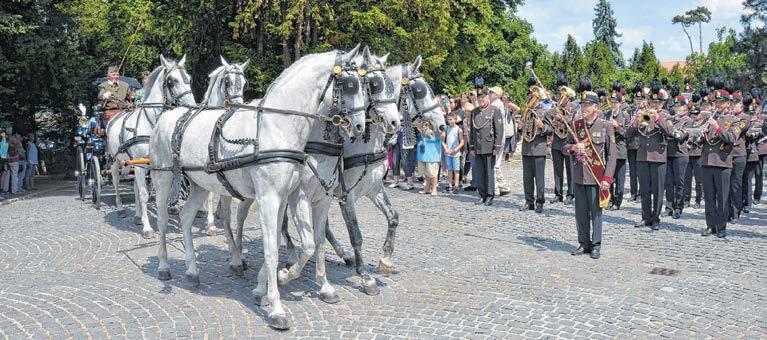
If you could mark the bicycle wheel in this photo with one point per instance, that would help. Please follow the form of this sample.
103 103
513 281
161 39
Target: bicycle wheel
96 181
81 172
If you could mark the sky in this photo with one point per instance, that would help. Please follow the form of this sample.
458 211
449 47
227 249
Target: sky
640 20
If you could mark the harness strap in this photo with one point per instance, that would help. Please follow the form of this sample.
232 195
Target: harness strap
363 159
124 147
322 148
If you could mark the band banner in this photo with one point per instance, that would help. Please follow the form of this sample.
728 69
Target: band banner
593 160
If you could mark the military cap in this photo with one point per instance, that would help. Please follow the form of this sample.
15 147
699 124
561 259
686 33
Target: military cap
590 97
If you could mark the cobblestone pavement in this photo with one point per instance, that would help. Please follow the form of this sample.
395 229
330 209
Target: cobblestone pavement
462 271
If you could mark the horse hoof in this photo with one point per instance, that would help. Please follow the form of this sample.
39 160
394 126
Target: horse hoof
370 288
174 210
261 300
163 275
348 259
282 277
239 270
211 230
244 265
148 234
122 214
279 322
330 298
137 220
385 267
193 279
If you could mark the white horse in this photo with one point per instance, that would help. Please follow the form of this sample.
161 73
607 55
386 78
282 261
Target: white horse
225 87
364 169
128 132
258 153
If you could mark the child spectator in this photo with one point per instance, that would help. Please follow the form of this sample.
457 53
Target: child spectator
429 155
452 146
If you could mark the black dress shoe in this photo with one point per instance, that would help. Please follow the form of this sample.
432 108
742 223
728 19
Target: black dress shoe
489 201
677 214
556 200
504 192
480 201
595 252
669 212
655 226
568 200
615 207
641 224
746 210
526 207
581 251
539 209
470 188
721 234
707 232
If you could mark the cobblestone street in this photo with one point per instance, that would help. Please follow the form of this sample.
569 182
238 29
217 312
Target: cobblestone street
461 271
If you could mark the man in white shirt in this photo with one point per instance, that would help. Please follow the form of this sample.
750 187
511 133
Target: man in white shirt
501 188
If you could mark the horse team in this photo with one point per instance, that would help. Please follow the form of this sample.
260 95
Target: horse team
318 135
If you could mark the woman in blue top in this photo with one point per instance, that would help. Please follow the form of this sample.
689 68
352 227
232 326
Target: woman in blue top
429 155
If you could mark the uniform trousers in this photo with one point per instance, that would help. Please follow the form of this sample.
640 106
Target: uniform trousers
633 176
562 165
617 189
759 186
716 190
748 182
693 169
588 215
652 180
500 181
484 166
533 177
736 186
403 159
676 167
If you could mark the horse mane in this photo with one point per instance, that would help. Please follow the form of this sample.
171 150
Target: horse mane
150 82
214 78
294 69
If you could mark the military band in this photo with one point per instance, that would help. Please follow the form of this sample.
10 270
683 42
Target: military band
661 139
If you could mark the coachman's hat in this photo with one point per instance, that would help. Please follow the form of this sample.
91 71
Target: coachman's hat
113 69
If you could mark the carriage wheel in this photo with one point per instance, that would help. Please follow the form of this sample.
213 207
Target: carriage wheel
96 181
81 172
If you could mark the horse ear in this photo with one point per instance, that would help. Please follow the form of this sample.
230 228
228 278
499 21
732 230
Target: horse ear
366 56
182 61
223 62
245 64
416 65
383 59
164 61
351 54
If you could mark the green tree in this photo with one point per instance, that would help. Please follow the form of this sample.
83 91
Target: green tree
572 60
599 64
722 59
645 63
604 26
753 41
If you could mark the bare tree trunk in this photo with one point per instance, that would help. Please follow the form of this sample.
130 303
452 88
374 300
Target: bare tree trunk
692 49
299 32
285 37
315 33
700 37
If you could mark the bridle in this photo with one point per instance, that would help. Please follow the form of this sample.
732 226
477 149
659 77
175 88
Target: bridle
414 90
168 82
374 86
239 87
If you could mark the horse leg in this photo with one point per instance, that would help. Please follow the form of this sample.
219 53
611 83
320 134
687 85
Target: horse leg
142 196
242 213
349 213
114 170
380 200
320 217
235 256
347 256
292 249
302 212
193 203
162 181
271 214
210 226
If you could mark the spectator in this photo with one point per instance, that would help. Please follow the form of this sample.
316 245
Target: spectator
31 162
510 128
22 162
403 158
4 167
452 147
429 155
467 107
14 157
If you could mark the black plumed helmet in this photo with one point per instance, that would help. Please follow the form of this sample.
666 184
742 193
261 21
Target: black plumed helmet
664 82
719 83
638 87
729 87
585 84
674 92
617 86
687 80
710 82
601 92
654 86
747 101
532 81
756 92
703 92
562 79
696 97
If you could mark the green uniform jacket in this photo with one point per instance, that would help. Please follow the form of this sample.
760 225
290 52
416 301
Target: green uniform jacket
119 91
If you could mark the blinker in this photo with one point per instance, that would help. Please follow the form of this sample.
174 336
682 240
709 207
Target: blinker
349 85
419 90
376 84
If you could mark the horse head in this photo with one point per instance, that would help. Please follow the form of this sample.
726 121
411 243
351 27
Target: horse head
382 92
177 84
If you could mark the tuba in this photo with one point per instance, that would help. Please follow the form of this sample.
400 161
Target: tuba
529 130
560 128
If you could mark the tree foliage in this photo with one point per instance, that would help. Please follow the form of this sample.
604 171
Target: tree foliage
604 26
